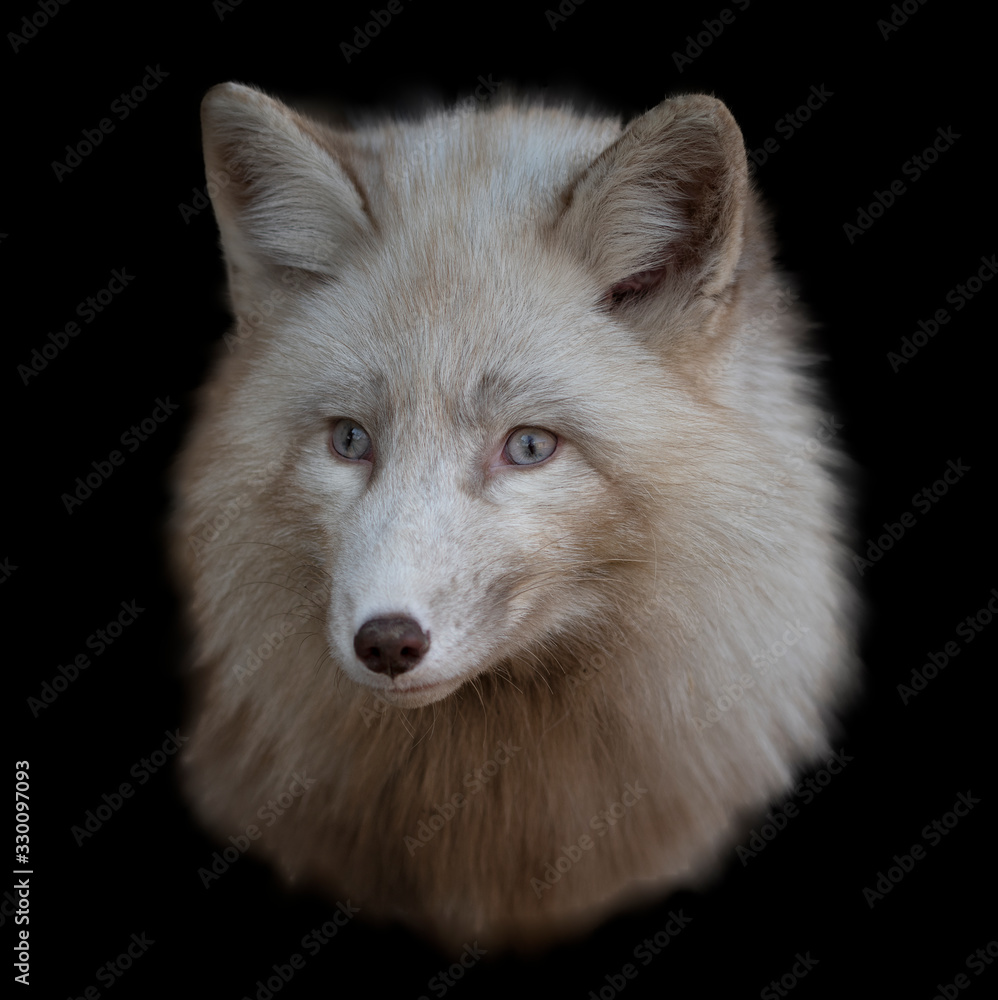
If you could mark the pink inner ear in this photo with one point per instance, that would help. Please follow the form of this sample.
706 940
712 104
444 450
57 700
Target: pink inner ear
641 281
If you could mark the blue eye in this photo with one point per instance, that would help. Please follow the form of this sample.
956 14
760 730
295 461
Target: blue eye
529 445
350 440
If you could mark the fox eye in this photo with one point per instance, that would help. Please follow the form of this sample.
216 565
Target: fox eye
350 440
529 446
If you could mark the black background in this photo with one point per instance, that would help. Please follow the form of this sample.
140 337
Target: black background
66 574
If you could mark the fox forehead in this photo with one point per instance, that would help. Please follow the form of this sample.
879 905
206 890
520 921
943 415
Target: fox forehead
467 353
507 163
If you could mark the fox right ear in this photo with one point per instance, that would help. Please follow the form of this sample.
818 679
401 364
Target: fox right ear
665 202
280 193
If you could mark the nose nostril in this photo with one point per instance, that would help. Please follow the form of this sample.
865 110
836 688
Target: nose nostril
391 645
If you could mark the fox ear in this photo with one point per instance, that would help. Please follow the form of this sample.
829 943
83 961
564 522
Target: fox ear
281 196
664 203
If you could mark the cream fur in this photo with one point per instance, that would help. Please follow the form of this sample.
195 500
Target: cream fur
443 282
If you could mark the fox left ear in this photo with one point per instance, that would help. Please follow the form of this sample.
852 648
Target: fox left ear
664 203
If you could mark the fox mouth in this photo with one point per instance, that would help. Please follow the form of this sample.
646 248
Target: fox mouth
406 694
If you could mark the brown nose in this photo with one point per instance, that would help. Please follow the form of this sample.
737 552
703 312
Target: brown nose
390 645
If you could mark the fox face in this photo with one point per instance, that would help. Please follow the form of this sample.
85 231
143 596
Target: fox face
479 416
469 507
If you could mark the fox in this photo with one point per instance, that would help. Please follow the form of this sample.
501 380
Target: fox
511 529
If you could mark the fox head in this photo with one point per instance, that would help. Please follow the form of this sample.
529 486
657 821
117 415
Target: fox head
474 384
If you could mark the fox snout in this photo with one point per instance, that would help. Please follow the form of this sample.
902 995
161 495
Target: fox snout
390 646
